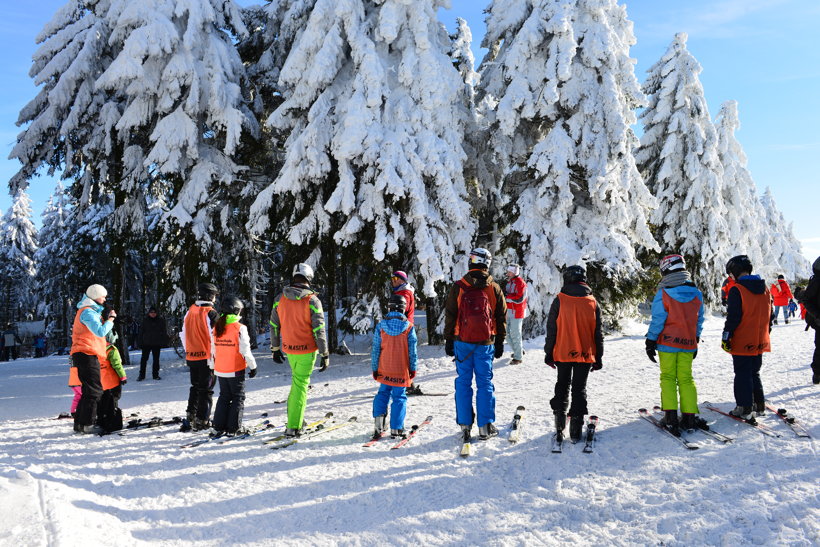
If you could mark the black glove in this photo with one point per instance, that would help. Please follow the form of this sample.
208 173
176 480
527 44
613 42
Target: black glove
499 349
123 381
450 348
278 356
325 363
726 342
548 360
376 375
252 373
695 355
651 349
412 374
597 365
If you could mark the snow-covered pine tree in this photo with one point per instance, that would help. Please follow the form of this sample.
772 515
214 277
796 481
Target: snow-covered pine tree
785 250
374 159
745 217
181 77
559 91
678 158
18 244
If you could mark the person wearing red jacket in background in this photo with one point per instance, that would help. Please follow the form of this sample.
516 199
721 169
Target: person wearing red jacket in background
724 290
516 295
401 286
781 294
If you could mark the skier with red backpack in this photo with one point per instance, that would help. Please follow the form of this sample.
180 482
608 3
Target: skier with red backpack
474 328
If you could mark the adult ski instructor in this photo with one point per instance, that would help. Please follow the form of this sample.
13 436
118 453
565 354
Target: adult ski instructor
87 350
474 328
298 331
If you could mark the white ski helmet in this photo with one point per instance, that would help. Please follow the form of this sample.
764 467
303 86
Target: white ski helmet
304 270
480 257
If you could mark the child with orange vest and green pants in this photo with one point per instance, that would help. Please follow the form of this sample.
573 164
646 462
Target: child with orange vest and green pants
231 355
297 329
393 359
574 346
674 331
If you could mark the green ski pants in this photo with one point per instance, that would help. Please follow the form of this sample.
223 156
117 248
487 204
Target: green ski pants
676 377
301 365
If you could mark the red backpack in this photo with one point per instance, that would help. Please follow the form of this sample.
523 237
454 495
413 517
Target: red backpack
475 314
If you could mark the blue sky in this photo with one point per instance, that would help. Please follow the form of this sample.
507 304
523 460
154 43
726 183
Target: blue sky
765 54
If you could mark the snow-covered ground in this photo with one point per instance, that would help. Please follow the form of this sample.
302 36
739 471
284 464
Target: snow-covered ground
638 487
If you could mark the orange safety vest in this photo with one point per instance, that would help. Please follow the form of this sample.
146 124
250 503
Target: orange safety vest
228 358
751 337
394 359
681 327
575 340
296 327
85 341
108 376
197 333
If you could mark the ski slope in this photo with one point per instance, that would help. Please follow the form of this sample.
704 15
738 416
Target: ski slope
638 487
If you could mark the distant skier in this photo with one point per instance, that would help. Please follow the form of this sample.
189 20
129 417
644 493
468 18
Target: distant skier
793 306
87 350
298 331
231 356
516 295
781 294
810 299
401 286
197 339
474 329
393 360
674 333
746 335
574 346
728 283
75 385
153 336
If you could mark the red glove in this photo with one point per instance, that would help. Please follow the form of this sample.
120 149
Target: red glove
412 374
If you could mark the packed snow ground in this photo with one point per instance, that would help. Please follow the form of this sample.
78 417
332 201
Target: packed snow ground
639 487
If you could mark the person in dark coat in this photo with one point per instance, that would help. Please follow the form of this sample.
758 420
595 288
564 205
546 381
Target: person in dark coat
810 298
153 336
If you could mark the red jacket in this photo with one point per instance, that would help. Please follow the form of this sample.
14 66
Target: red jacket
781 293
516 296
409 295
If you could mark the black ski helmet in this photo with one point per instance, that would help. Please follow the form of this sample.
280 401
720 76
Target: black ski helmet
575 274
738 265
231 305
397 303
207 291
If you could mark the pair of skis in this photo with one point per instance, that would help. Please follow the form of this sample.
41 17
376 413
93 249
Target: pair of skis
320 429
781 413
515 433
589 438
403 441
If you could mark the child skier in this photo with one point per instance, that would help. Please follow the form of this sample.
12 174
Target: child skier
75 385
746 335
677 321
574 345
231 355
393 359
112 378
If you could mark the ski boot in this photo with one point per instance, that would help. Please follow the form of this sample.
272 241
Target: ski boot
687 421
670 422
815 378
379 425
213 432
397 434
292 432
201 425
700 423
466 433
487 431
560 424
759 409
576 424
745 413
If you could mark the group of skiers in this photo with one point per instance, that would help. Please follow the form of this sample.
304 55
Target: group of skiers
478 314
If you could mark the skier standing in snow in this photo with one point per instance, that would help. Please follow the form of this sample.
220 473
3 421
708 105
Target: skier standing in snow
298 331
75 385
516 295
781 294
574 346
474 329
87 350
728 283
746 335
231 355
393 360
401 286
197 339
153 336
810 300
112 378
674 332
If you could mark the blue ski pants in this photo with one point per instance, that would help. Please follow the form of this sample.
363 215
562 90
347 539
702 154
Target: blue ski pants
398 410
474 359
